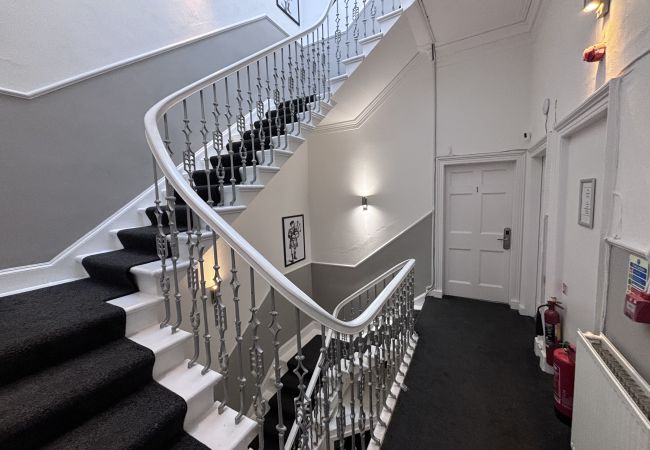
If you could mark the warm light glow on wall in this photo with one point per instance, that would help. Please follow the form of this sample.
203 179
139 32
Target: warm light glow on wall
601 6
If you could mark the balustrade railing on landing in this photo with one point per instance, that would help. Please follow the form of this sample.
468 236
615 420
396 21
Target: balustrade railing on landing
246 115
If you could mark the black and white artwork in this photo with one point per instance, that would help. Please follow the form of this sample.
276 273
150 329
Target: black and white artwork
293 234
291 8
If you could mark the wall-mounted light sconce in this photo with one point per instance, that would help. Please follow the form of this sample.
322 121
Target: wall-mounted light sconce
600 6
364 203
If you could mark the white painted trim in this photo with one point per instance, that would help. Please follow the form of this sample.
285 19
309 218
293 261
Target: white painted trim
632 247
372 107
519 158
601 105
378 249
419 301
134 59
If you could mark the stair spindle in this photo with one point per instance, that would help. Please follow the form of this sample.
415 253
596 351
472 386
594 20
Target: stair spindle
231 153
217 145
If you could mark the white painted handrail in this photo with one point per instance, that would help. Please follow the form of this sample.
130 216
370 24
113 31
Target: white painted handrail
229 235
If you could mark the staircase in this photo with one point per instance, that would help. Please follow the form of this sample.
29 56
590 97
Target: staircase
148 351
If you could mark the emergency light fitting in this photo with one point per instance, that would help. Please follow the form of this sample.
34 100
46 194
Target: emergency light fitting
600 6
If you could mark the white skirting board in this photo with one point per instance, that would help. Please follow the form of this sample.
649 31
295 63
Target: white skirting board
605 416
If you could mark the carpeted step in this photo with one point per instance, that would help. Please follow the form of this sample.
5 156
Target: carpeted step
248 144
141 238
47 326
285 118
200 178
311 353
181 215
186 442
347 442
114 267
268 131
152 417
63 396
203 193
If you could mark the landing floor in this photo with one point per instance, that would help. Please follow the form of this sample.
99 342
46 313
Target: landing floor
474 383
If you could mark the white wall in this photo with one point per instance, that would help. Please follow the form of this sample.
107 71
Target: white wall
483 98
561 33
43 42
389 159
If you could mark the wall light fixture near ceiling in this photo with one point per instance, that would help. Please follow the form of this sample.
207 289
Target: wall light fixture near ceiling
364 203
600 6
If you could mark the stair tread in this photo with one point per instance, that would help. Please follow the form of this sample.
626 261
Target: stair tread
49 325
156 338
187 382
50 402
219 431
114 267
148 418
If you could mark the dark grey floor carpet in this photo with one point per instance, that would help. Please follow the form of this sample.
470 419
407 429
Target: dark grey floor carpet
475 383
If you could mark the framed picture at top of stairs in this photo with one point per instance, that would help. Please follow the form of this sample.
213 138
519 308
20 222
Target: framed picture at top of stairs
291 8
293 238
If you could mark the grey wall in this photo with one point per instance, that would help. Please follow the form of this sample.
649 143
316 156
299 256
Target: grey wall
71 158
331 283
631 338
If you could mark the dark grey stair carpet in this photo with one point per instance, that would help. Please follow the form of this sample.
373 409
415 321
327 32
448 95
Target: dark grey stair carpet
475 383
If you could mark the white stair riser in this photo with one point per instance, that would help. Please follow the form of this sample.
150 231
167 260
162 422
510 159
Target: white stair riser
244 197
351 67
263 175
144 317
278 158
198 405
170 357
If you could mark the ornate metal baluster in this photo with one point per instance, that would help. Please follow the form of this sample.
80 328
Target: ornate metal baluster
283 81
371 375
355 30
380 355
204 302
221 322
352 382
275 328
340 418
276 102
189 165
324 60
382 7
337 38
303 73
365 20
347 28
241 129
373 14
217 144
173 235
327 72
325 385
297 100
251 125
257 365
300 402
231 153
315 89
161 241
235 285
291 86
204 138
260 114
268 102
361 350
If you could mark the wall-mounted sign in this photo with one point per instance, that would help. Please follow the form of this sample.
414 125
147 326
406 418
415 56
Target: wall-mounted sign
293 237
637 274
291 8
587 202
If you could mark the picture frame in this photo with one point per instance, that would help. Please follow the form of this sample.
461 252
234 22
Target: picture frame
587 202
293 239
291 8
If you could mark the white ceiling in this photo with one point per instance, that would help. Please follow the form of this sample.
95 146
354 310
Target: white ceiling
457 20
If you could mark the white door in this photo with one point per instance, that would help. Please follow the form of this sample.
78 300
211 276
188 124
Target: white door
478 208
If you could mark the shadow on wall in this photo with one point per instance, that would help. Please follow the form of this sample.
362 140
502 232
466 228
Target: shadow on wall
333 283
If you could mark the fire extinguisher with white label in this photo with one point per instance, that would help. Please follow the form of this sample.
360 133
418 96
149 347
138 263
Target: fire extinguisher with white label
552 328
564 371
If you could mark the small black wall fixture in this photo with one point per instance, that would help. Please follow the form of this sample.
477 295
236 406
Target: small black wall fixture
364 203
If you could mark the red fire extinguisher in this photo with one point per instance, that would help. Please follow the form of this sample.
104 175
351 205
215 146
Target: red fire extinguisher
564 371
552 328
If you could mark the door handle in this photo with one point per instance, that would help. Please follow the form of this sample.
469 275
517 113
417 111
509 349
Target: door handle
506 239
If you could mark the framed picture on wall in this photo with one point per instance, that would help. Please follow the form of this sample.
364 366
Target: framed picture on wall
293 238
291 8
587 201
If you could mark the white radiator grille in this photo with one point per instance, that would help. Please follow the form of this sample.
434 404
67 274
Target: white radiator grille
609 399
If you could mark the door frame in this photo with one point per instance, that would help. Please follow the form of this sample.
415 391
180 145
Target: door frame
518 157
